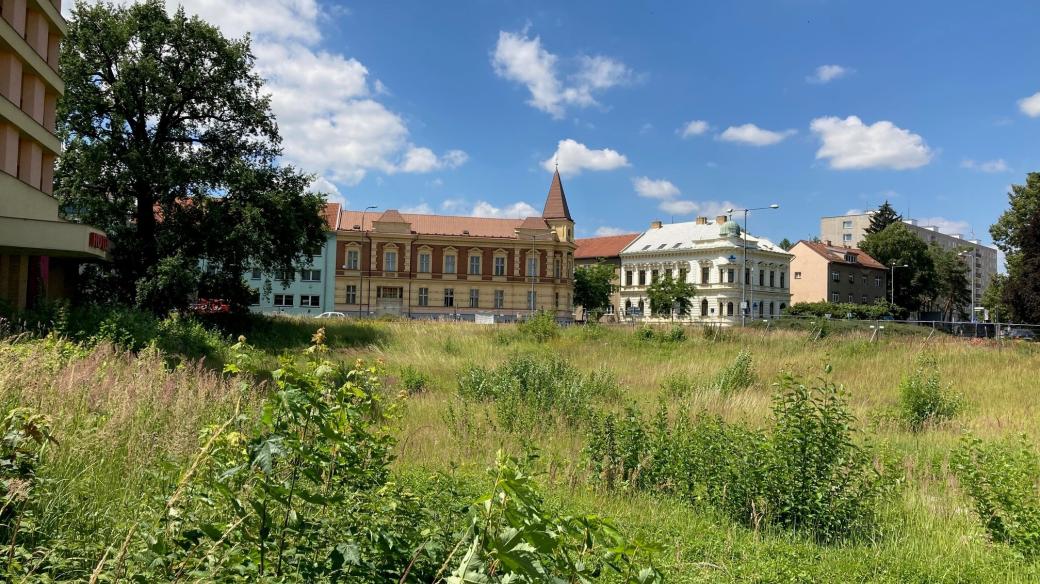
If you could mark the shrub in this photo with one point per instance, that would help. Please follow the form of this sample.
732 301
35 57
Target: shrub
187 337
413 380
676 334
540 327
679 384
740 375
923 397
1001 479
645 333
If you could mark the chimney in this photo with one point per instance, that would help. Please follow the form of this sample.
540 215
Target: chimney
702 221
655 224
721 219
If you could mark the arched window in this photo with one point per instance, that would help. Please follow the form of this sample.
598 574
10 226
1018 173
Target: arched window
729 309
761 309
771 309
704 307
640 307
783 305
628 304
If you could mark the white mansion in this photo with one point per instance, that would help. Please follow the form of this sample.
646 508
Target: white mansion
709 255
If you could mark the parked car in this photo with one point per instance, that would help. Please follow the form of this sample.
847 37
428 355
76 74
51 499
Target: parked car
1020 335
331 315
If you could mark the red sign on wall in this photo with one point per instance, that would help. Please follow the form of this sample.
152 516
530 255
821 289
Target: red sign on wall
97 241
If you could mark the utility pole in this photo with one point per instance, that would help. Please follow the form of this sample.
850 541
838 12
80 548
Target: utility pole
745 300
361 264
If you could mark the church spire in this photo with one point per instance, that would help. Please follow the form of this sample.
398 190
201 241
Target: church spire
556 203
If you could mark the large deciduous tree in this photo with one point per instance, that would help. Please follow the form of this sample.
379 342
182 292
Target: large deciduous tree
172 148
669 296
952 281
882 218
1017 234
897 245
593 286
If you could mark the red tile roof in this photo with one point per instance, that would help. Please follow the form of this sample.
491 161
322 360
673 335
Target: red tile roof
440 224
603 247
836 253
331 215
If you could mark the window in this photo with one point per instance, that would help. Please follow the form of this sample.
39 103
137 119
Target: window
500 266
500 298
797 275
835 297
628 278
877 281
851 298
761 277
283 299
284 275
254 297
772 309
532 299
474 265
310 300
557 268
255 274
449 264
772 279
390 261
835 277
653 276
731 275
747 275
353 259
532 266
424 296
782 274
704 307
705 275
351 294
729 309
846 224
642 277
556 300
424 262
863 299
682 274
310 275
852 278
449 297
474 298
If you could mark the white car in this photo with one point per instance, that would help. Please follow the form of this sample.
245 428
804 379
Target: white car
331 315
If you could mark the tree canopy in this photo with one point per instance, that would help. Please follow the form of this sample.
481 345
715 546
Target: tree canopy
593 286
785 244
952 280
896 244
669 296
882 218
171 147
1017 234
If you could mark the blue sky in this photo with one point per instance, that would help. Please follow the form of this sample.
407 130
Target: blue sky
820 106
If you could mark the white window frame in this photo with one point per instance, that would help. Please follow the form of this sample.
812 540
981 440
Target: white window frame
424 296
470 268
351 294
474 297
425 262
390 266
454 263
499 262
449 297
310 300
353 259
280 300
500 298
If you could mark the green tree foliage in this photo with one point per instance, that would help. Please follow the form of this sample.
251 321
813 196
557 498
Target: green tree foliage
669 296
951 292
923 397
1017 234
993 298
882 218
785 244
171 147
593 286
873 311
896 244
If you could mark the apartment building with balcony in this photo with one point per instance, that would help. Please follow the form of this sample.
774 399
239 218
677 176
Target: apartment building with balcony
711 255
40 252
451 267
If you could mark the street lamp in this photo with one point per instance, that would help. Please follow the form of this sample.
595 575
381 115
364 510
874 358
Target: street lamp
892 281
745 301
534 276
361 263
971 253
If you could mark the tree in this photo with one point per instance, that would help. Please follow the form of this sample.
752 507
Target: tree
952 281
993 298
593 286
670 296
785 244
171 147
896 244
1017 234
882 218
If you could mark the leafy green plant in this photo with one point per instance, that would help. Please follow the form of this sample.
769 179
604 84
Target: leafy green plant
24 435
924 399
1001 479
645 333
540 327
676 334
679 384
740 375
413 380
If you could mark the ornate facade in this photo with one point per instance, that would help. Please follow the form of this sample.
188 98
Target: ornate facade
440 266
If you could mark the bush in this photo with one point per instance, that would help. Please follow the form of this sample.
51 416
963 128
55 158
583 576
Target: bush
527 389
187 337
540 327
413 380
1001 479
740 375
679 384
645 333
923 397
676 334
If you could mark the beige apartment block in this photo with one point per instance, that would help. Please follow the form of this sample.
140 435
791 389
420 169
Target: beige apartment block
451 267
39 252
849 230
831 273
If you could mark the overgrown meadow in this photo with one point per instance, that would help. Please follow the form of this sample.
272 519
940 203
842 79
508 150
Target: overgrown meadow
258 449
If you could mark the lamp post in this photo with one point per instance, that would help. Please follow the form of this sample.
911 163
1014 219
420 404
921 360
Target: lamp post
361 262
534 276
745 300
892 280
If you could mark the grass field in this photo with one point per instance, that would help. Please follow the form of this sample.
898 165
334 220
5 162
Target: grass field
127 425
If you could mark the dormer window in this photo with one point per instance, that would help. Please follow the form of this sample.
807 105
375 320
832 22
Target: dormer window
850 257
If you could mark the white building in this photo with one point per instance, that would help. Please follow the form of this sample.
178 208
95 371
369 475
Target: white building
709 255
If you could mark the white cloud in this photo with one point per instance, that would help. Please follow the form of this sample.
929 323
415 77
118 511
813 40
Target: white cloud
453 205
678 207
606 231
516 210
950 226
850 144
997 165
854 212
753 135
693 128
420 209
654 189
324 101
322 185
524 60
1030 106
708 209
828 73
575 157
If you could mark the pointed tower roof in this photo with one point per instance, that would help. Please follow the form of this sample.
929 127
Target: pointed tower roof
556 202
